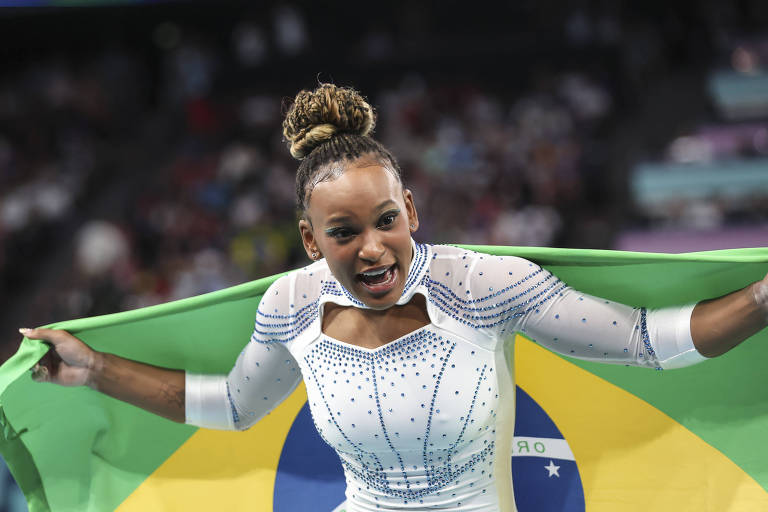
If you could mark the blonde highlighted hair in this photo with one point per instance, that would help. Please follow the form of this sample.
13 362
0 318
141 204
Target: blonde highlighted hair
329 125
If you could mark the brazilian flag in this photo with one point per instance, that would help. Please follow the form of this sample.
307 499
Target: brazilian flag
588 437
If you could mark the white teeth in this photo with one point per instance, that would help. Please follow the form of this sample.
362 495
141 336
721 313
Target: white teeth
375 272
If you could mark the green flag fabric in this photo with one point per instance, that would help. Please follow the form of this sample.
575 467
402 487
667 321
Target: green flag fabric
76 449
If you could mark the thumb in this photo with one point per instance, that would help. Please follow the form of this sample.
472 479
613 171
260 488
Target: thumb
53 336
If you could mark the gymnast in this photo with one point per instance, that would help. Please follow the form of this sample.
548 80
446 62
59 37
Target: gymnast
403 346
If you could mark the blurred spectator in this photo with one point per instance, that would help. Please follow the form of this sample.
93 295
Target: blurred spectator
290 30
99 248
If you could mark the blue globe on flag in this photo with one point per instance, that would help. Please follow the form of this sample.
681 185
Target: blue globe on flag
544 472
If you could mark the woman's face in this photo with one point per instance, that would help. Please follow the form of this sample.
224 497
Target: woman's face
361 222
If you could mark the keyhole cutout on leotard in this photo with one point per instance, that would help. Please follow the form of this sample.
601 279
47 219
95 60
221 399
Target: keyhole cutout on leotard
369 328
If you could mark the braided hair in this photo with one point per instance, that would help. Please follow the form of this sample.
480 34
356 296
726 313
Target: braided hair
327 126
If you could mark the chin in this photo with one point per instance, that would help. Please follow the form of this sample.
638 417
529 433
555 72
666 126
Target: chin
380 304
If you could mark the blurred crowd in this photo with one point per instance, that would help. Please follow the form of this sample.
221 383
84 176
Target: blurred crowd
147 170
214 212
127 204
131 177
138 171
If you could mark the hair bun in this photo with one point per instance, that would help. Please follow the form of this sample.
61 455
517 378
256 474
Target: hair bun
316 116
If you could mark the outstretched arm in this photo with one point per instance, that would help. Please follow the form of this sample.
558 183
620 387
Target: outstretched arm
263 376
70 362
718 325
509 294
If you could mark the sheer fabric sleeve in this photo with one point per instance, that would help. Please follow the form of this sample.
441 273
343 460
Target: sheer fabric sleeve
512 294
264 375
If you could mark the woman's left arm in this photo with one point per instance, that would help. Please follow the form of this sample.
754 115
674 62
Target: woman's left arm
508 294
718 325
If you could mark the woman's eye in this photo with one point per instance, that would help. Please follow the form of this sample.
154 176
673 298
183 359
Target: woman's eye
340 233
388 219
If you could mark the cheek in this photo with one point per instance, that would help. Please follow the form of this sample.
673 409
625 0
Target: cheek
401 234
341 258
399 242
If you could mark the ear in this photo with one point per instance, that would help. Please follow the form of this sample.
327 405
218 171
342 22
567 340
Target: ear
410 209
308 239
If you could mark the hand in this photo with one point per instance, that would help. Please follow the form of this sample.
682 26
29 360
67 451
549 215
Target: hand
760 293
68 363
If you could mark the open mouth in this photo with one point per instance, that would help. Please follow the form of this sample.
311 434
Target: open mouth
379 280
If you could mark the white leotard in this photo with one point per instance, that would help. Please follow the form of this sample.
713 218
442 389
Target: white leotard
426 421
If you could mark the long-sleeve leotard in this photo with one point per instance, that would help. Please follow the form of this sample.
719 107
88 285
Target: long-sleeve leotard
426 420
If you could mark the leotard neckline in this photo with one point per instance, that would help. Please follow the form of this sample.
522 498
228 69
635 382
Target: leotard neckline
390 344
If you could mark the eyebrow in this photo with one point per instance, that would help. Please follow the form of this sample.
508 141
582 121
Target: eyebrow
342 217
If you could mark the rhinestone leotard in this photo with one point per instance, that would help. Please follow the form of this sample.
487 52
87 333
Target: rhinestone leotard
425 421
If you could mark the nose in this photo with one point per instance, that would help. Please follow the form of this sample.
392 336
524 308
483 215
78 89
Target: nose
371 249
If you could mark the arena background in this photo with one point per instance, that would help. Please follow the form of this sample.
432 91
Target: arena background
141 158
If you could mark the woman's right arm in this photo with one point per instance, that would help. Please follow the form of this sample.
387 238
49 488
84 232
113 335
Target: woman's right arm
70 362
264 374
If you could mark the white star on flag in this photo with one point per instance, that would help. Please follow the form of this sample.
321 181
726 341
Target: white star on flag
553 470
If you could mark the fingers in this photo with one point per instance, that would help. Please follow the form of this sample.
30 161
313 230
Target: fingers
43 370
760 294
40 373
